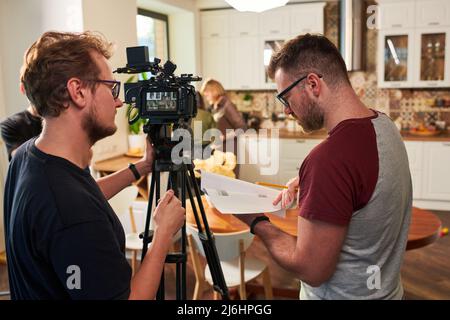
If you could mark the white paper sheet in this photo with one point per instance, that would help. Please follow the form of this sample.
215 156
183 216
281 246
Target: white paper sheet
239 197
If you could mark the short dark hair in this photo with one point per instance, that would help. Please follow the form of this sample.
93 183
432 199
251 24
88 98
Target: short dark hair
55 58
310 53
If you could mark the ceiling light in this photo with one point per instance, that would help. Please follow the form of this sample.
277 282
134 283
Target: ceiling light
256 5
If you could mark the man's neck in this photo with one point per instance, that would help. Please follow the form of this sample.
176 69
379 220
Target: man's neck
65 141
345 106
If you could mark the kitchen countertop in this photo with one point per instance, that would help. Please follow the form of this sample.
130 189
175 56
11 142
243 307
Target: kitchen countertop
322 134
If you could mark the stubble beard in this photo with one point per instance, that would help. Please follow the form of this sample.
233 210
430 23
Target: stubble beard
313 119
94 129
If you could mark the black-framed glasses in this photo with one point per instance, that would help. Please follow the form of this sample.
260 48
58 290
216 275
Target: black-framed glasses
281 95
115 86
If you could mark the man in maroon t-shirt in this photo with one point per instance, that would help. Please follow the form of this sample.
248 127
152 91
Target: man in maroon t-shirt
355 193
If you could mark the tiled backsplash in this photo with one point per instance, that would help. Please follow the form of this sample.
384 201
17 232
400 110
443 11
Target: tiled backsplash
412 105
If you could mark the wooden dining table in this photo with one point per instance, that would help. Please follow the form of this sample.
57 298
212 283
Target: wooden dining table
424 228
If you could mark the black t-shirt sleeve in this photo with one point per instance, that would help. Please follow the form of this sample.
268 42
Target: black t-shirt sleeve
18 129
90 252
10 136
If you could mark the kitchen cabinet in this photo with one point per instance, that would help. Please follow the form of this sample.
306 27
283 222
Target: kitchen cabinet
244 63
275 22
292 154
308 18
432 67
396 14
246 41
436 184
395 56
244 24
264 156
216 60
413 44
432 13
415 157
428 163
215 24
430 173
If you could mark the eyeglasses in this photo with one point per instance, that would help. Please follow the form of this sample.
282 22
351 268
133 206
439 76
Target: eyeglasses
281 95
115 88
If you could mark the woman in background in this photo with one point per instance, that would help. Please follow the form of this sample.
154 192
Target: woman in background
203 115
224 111
225 114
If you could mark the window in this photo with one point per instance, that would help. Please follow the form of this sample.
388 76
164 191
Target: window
152 31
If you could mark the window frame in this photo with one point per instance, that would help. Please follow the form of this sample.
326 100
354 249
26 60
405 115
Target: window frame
158 16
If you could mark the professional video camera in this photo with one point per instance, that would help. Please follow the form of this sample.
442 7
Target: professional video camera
166 101
164 98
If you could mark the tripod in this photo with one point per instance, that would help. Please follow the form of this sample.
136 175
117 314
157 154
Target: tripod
181 179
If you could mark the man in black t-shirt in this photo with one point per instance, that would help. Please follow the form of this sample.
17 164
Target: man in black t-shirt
63 240
19 128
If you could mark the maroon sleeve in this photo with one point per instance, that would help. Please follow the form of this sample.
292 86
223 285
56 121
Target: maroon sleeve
339 176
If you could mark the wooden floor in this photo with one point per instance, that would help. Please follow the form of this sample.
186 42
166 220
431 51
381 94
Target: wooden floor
425 271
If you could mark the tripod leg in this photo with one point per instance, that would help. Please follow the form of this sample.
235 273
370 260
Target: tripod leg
148 218
183 237
206 238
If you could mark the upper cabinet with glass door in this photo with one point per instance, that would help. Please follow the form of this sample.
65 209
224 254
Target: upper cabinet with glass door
395 59
413 44
433 58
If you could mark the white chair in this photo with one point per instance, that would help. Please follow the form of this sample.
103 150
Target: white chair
121 204
237 269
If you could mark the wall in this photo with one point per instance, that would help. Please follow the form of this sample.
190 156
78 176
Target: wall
21 23
3 161
183 42
183 31
116 20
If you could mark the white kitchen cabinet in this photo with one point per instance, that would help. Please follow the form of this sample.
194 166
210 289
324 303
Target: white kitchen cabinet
216 60
395 58
243 42
292 154
244 63
244 24
432 67
275 22
415 157
308 18
413 44
432 13
396 14
436 182
215 24
289 157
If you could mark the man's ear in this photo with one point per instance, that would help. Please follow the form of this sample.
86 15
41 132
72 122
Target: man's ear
77 92
313 81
